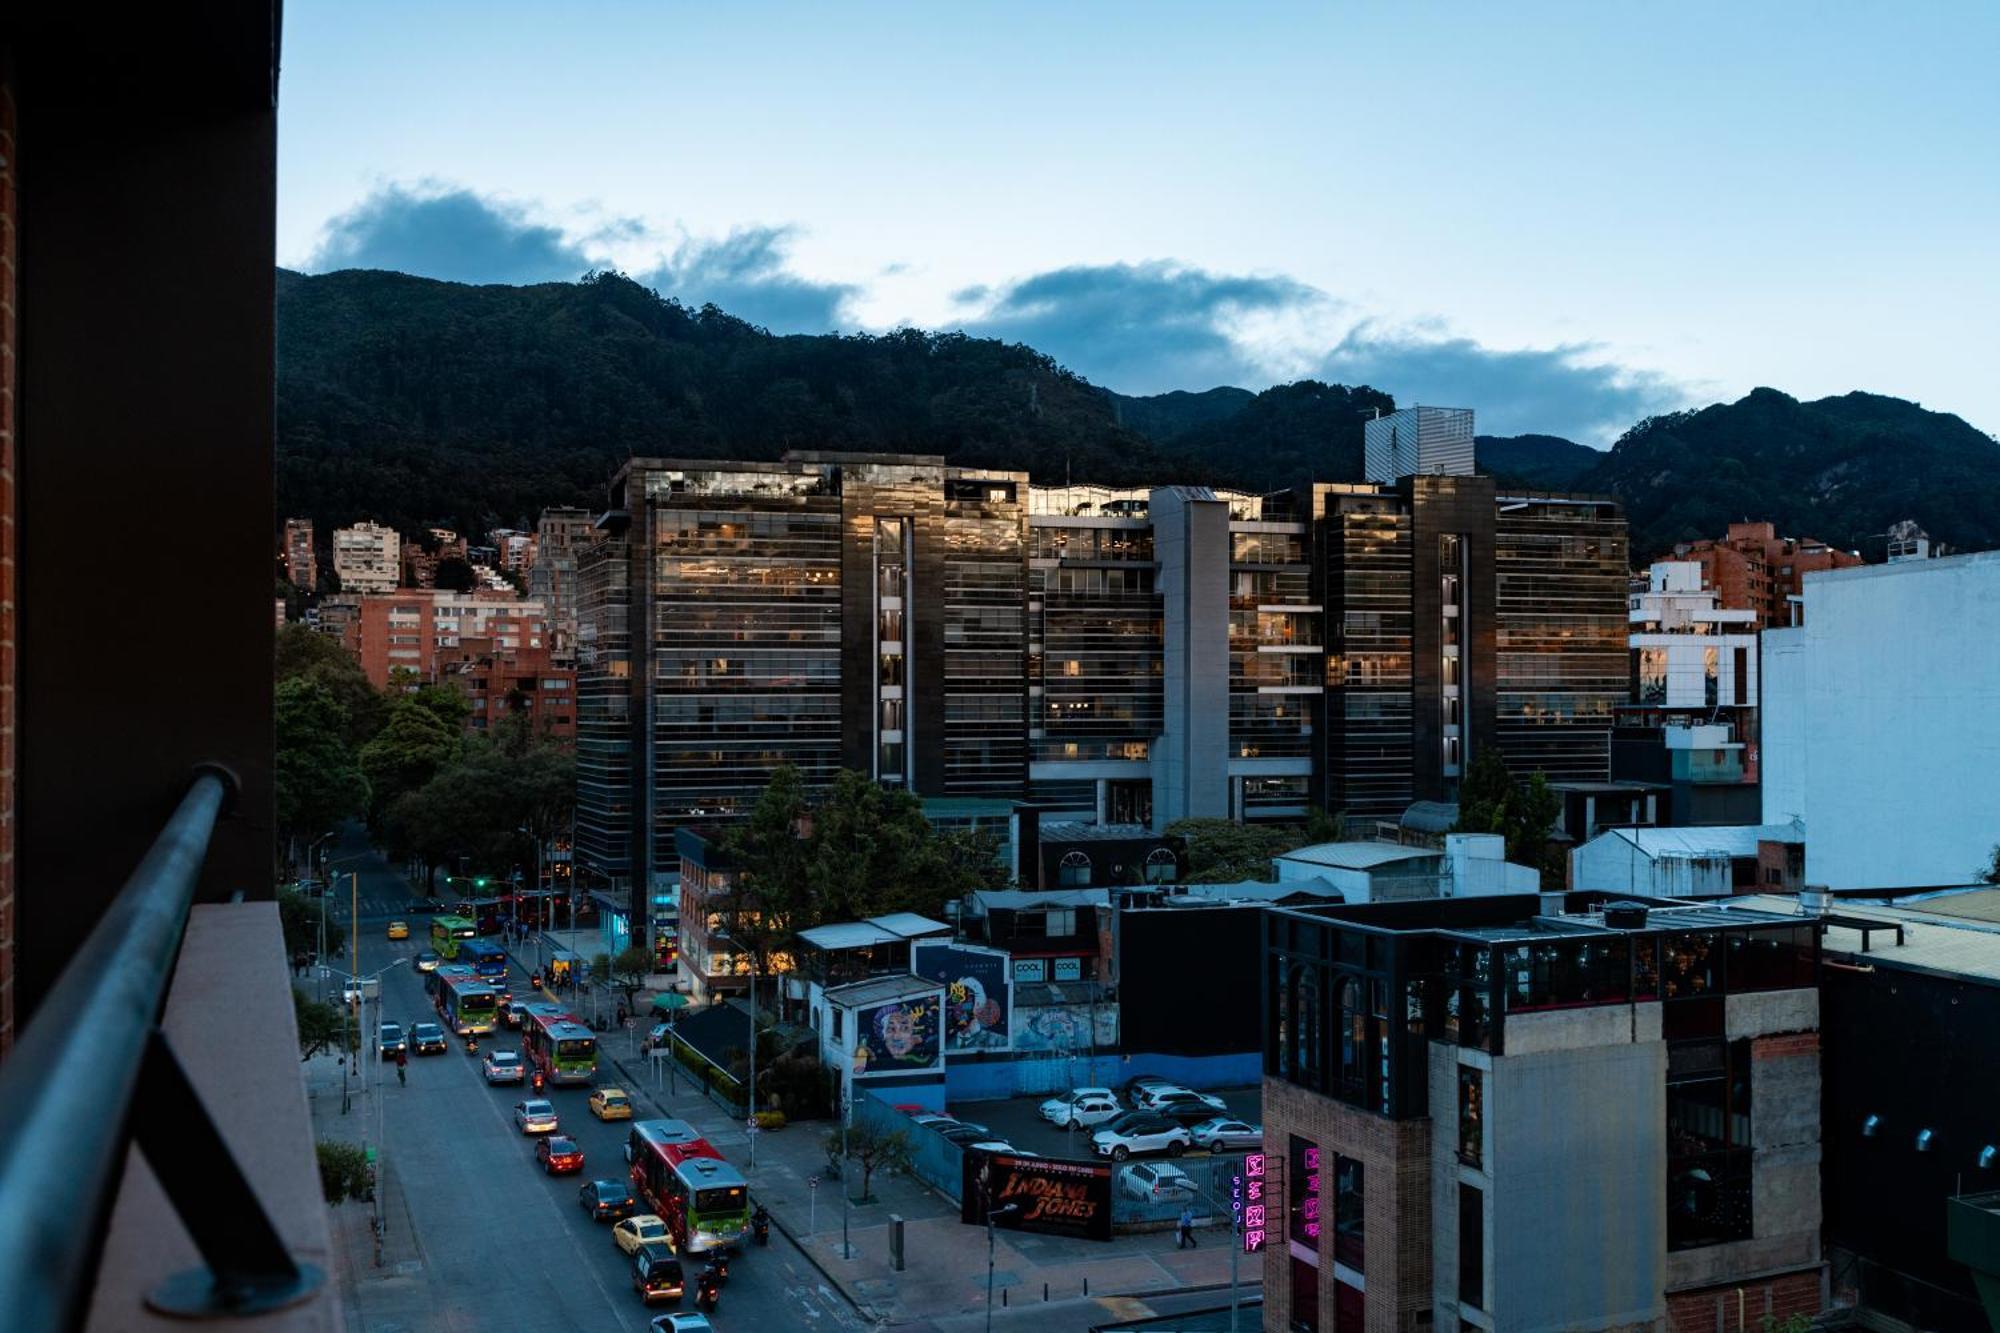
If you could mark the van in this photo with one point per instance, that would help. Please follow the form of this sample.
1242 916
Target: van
656 1274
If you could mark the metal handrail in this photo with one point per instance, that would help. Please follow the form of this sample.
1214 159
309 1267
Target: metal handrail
70 1092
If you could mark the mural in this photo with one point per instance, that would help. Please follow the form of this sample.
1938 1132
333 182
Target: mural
1066 1027
978 996
897 1038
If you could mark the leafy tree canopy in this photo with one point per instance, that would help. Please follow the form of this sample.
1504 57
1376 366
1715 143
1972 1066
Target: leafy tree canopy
318 780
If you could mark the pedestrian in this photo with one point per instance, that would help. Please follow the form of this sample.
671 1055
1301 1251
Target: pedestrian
1186 1240
621 1015
402 1066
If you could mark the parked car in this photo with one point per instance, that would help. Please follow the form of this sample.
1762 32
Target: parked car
428 1038
399 930
392 1039
611 1104
1186 1098
505 1067
964 1132
1001 1145
1220 1134
1155 1182
682 1321
656 1274
427 960
607 1200
1138 1081
1084 1107
559 1155
1149 1097
535 1117
640 1229
1141 1131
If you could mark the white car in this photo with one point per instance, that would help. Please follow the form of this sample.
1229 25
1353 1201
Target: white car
505 1067
1152 1182
1140 1131
1001 1145
1149 1097
1084 1107
676 1321
535 1117
1222 1134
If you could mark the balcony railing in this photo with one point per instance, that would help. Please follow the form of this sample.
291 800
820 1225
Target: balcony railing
93 1075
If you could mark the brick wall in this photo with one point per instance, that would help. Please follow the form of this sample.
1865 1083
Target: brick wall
9 217
1396 1208
1716 1309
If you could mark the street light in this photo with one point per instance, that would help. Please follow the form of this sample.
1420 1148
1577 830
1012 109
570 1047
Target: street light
1007 1211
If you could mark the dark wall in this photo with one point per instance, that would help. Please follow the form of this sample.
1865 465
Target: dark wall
1188 980
1462 505
1918 1051
147 168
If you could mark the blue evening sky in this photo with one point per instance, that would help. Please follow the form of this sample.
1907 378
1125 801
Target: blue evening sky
1566 215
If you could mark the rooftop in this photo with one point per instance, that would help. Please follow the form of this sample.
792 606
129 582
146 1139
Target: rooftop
1501 918
1932 942
1731 840
1015 900
1358 855
880 990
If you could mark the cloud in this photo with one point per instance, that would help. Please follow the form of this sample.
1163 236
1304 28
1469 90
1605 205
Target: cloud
1572 390
1140 328
744 273
452 234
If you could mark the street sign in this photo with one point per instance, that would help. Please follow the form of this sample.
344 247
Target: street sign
812 1182
750 1125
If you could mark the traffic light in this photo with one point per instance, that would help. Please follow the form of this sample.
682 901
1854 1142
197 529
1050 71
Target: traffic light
479 883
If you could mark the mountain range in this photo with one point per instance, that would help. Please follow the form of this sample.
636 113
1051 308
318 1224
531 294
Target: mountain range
420 403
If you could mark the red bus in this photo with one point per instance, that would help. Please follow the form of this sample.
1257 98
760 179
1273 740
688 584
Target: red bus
704 1201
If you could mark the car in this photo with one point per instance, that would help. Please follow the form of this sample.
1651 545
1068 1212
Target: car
1152 1182
537 1116
1190 1098
392 1040
512 1013
399 930
964 1132
420 907
354 990
505 1067
656 1274
640 1229
1220 1133
428 960
1189 1113
611 1104
1141 1131
607 1200
1137 1082
682 1321
1083 1108
558 1154
1150 1096
428 1038
1001 1145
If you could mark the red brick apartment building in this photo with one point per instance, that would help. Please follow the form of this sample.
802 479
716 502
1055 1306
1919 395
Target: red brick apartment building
1755 569
410 628
501 683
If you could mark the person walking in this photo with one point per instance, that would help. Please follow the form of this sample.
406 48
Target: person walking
402 1066
1186 1239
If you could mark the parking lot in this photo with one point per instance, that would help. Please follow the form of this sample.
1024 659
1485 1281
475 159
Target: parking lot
1018 1120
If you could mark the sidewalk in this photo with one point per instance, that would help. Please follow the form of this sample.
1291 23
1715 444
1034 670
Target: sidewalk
944 1276
388 1274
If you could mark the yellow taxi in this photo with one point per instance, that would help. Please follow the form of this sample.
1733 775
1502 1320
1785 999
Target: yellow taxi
399 930
610 1104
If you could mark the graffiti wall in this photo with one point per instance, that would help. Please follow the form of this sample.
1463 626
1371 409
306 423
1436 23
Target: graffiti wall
1066 1028
898 1038
978 994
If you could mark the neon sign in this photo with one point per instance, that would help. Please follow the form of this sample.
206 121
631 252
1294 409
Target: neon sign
1309 1195
1248 1203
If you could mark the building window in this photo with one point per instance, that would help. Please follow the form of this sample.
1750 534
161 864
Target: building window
1471 1114
836 1025
1353 1039
1305 1009
1348 1232
1708 1143
1074 871
1305 1296
1471 1247
1059 922
1161 866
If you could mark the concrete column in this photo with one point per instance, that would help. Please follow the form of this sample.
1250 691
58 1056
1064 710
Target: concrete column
1191 762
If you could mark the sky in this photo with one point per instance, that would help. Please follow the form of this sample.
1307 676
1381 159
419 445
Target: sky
1567 216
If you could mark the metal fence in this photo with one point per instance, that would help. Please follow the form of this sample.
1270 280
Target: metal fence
1207 1192
934 1159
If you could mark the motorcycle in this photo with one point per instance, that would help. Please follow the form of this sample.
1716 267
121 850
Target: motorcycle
471 1045
760 1225
707 1293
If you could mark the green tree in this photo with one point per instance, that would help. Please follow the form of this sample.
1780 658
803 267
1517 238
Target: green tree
317 779
322 1026
447 702
630 971
455 574
344 1172
1490 801
299 919
870 853
306 654
1221 851
413 746
1990 872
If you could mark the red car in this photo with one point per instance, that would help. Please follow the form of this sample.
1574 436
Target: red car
559 1155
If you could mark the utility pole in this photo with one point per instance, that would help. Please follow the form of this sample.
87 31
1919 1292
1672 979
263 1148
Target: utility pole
846 1109
752 1100
1006 1211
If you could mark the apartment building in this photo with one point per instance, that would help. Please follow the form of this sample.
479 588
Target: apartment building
560 535
501 683
417 630
367 557
1753 568
513 550
301 560
1533 1112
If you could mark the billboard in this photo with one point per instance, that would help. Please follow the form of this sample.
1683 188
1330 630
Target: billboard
897 1038
1049 1195
978 994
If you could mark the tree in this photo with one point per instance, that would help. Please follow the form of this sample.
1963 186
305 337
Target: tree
873 1148
1990 873
447 702
630 971
869 853
317 779
412 747
1221 851
1490 801
344 1172
322 1026
455 574
299 918
306 654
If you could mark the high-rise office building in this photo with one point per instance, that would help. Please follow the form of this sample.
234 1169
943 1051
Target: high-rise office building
1418 442
368 558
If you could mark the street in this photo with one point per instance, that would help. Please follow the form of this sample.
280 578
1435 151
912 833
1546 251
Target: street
500 1244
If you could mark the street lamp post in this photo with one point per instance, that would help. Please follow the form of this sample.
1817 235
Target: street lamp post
846 1108
1006 1211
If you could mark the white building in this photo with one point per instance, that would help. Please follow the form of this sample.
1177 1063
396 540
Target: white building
1882 722
368 558
1418 441
1691 652
1710 861
1468 865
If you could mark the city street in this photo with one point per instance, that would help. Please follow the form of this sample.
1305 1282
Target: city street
499 1244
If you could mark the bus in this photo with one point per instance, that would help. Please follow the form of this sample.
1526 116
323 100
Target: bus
704 1201
487 961
447 931
487 915
469 1006
558 1045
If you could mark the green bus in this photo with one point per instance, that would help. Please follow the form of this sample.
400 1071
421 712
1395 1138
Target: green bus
447 931
562 1048
468 1005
